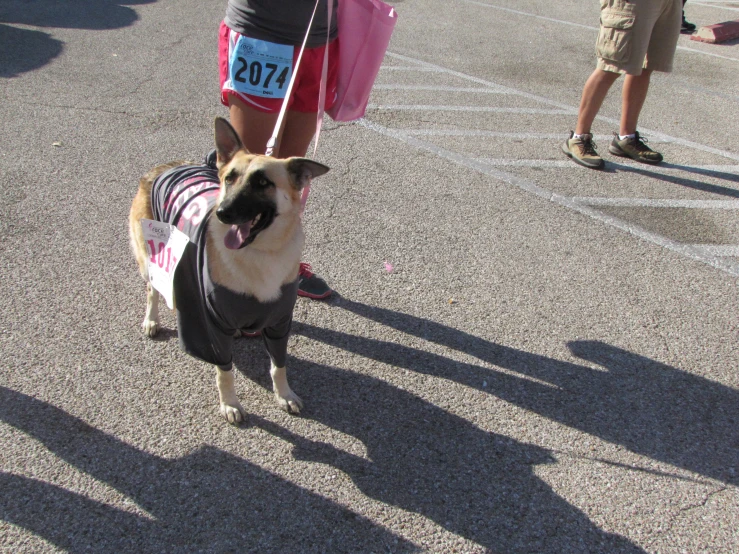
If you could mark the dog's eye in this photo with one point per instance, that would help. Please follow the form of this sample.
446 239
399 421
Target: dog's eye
230 178
263 182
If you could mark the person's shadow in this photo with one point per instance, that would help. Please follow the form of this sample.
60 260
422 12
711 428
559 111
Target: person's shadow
423 459
650 408
23 49
208 501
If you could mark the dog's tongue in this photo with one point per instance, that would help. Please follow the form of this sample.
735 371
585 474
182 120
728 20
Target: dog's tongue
237 235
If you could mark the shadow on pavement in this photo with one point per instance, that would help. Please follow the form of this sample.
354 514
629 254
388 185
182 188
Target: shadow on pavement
209 501
425 460
23 50
683 181
650 408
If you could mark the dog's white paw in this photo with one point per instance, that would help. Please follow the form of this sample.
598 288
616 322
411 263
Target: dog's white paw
151 328
233 412
289 401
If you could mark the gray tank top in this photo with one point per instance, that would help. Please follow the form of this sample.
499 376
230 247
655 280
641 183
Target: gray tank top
281 21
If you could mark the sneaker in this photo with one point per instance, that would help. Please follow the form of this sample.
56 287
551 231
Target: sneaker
582 151
311 285
687 26
635 149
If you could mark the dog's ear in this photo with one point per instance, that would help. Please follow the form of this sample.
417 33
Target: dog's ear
227 142
302 170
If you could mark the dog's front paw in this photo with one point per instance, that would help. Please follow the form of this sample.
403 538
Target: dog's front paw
150 327
233 412
289 401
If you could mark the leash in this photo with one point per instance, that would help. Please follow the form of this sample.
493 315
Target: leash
321 92
322 89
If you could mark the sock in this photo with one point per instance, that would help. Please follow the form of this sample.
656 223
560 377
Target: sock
622 137
575 135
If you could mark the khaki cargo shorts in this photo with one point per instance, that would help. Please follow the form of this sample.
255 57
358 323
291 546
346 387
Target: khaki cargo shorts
638 34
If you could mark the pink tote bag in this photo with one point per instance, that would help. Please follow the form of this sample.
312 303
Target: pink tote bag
365 28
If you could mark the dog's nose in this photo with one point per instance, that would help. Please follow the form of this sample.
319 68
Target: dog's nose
224 216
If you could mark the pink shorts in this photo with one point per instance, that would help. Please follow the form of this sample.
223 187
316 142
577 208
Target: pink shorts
304 97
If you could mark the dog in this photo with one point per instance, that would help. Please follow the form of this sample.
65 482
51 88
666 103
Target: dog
239 271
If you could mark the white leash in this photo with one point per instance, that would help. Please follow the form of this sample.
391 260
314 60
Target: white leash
321 94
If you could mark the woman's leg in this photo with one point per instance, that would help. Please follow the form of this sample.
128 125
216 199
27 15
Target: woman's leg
298 131
253 126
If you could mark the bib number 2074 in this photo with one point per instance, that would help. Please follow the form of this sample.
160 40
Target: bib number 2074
260 76
260 68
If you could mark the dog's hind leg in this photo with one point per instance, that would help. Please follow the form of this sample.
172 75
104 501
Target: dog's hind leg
231 408
151 319
286 398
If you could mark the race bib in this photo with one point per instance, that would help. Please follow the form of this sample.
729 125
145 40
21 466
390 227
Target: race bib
260 68
164 247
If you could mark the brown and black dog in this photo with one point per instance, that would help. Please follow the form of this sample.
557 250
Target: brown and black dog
239 271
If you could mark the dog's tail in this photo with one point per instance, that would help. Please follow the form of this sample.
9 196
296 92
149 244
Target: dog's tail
141 209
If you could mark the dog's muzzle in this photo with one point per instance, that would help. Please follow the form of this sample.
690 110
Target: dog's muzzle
243 234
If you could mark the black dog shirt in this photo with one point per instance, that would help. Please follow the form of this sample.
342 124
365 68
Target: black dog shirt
208 314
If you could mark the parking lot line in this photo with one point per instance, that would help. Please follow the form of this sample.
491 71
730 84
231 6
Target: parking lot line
657 203
566 108
592 28
481 109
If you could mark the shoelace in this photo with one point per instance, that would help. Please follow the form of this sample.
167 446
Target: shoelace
305 270
640 143
587 147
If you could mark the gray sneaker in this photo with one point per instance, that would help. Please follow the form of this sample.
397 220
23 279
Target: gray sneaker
582 151
635 149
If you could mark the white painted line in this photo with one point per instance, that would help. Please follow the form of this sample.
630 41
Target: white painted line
589 27
517 12
496 162
731 170
399 68
688 251
495 134
483 109
715 5
476 90
657 203
569 109
720 250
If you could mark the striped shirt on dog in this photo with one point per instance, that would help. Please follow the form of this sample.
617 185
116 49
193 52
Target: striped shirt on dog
208 314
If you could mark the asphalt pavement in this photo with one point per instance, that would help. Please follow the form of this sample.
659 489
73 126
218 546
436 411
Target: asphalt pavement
522 355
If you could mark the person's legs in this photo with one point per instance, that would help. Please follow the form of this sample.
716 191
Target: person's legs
298 131
687 26
633 95
633 146
253 126
581 148
594 93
